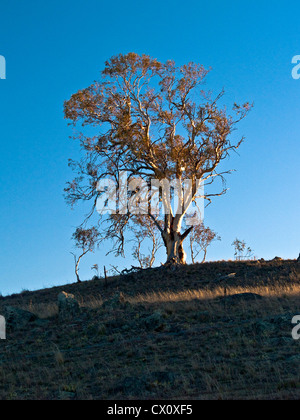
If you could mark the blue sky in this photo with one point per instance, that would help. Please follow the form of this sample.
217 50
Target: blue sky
52 49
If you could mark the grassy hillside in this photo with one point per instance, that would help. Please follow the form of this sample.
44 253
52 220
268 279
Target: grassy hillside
192 333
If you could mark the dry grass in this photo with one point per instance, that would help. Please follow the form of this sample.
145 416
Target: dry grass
42 310
173 336
292 290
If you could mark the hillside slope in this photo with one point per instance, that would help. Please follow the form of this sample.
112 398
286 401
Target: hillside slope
219 330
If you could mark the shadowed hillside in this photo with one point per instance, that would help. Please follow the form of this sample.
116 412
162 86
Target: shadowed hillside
219 330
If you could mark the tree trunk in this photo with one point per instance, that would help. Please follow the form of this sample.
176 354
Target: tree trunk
174 247
173 239
77 261
204 256
77 270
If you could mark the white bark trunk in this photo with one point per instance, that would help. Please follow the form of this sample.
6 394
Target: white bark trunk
174 248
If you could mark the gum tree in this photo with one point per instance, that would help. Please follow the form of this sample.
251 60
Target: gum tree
200 239
144 228
155 121
85 241
241 251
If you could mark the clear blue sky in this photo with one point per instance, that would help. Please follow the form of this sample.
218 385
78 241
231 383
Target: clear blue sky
54 48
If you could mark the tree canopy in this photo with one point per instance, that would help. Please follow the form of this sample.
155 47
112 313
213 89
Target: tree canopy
151 120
